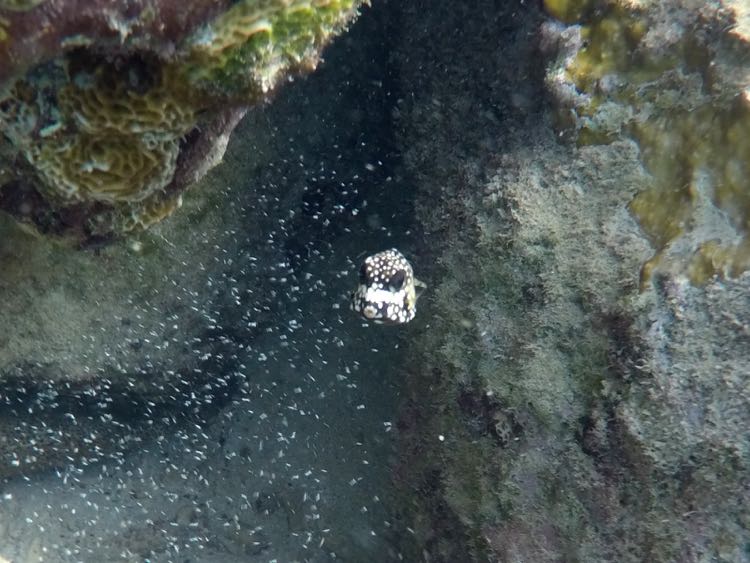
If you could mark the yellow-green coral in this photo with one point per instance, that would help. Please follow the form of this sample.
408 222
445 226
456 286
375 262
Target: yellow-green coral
695 145
248 48
100 99
105 132
610 46
103 137
109 140
138 216
149 212
105 168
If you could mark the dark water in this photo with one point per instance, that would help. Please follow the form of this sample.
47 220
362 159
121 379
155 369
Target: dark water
277 446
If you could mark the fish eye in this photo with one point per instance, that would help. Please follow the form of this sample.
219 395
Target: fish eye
396 282
363 274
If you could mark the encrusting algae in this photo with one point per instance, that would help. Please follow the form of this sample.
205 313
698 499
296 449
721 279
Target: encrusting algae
691 122
252 45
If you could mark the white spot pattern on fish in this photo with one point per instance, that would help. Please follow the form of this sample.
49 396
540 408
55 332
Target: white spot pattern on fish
388 291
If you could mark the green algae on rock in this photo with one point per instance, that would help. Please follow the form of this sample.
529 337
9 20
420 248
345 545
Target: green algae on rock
680 90
96 135
568 11
249 48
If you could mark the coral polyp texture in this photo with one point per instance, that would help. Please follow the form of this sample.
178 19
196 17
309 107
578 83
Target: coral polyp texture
101 136
681 89
93 135
250 47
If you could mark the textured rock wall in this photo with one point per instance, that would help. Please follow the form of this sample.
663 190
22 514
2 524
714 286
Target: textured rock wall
108 112
559 406
674 76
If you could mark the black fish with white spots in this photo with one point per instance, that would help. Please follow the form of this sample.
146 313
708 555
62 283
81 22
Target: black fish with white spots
388 291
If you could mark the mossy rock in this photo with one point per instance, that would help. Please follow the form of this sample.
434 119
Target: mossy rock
681 101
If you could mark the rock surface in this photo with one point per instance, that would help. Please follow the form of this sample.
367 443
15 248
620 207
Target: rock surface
561 405
673 76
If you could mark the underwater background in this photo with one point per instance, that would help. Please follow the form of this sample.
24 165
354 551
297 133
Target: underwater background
187 194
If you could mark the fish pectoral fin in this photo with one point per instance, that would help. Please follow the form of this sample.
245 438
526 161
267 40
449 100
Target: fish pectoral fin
419 287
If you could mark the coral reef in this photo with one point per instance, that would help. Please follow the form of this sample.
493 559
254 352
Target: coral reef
146 336
249 48
96 135
676 80
97 132
557 408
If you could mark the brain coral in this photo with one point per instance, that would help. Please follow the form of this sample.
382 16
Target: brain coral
101 129
122 138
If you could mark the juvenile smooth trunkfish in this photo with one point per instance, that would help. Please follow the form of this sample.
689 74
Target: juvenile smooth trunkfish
388 291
